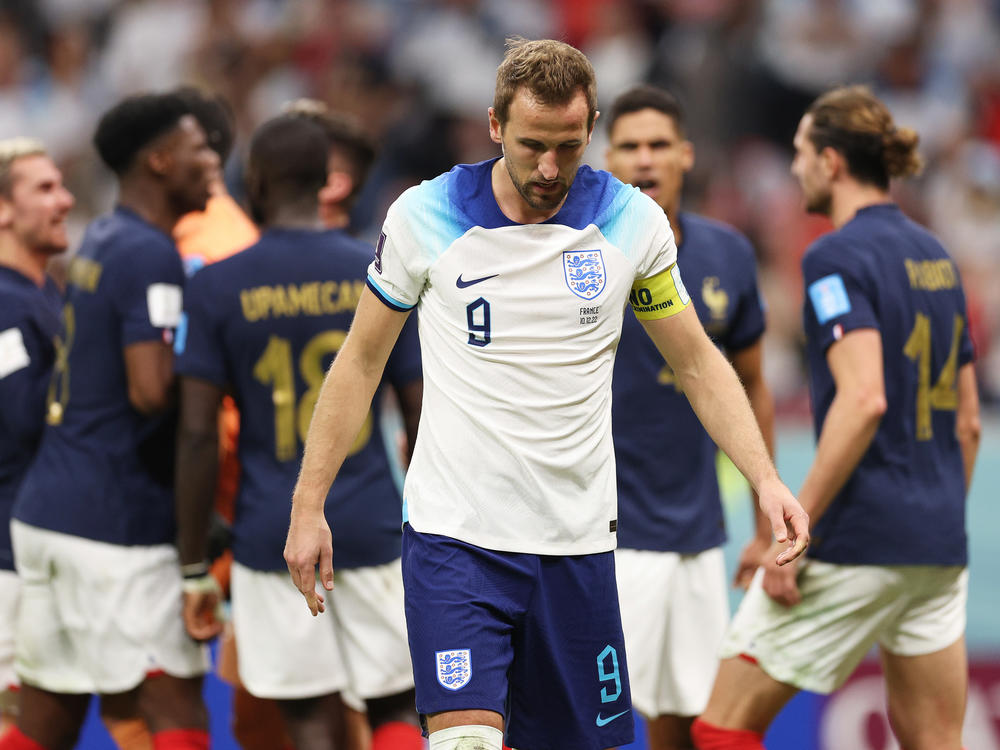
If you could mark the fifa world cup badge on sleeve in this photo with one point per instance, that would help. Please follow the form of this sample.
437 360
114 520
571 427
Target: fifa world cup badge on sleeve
454 668
585 274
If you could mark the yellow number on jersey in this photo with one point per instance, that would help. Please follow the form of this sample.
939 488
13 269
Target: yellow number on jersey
274 368
58 395
943 396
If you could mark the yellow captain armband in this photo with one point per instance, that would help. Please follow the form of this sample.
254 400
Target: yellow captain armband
660 296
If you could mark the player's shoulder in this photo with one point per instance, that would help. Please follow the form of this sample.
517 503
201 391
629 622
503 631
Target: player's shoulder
20 297
716 236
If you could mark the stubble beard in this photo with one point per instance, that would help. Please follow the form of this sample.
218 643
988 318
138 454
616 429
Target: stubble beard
539 203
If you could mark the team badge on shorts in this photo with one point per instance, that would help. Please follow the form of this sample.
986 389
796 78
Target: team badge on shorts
585 274
454 668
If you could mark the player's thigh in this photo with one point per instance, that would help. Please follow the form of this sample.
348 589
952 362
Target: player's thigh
927 696
368 606
816 644
569 679
283 651
462 603
925 659
674 613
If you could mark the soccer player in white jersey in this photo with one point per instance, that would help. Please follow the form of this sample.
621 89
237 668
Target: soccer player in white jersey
521 267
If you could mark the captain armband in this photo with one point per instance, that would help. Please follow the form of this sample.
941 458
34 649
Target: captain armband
659 296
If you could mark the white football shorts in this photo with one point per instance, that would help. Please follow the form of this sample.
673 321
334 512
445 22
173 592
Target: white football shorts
674 613
98 617
357 647
908 610
10 596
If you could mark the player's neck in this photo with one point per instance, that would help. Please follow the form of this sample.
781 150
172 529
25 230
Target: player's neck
673 216
25 261
150 202
512 204
294 217
851 197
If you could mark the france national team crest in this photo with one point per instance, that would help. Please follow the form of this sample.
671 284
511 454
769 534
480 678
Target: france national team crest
585 274
454 668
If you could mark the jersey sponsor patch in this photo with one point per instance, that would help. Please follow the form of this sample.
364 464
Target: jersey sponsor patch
585 273
829 297
164 303
659 296
454 668
13 354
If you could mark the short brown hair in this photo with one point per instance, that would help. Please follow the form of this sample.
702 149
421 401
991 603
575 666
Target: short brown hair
551 70
12 149
852 121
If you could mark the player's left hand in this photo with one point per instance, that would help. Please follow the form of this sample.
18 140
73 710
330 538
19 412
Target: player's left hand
309 543
780 580
789 522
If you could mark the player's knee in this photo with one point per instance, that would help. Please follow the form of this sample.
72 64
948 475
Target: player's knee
710 737
471 737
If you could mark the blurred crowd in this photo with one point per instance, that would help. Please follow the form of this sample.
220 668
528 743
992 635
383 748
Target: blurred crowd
420 75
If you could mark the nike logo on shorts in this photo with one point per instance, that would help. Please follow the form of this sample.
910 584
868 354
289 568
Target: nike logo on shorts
461 283
601 721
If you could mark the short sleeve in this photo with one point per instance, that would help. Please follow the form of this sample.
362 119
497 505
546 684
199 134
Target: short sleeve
198 344
148 289
398 273
836 301
750 320
404 365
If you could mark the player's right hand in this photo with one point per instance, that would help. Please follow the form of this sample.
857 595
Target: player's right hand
202 607
309 543
754 554
789 522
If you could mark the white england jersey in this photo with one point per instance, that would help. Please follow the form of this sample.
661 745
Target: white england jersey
518 329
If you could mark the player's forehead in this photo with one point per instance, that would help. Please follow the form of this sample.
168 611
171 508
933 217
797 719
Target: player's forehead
643 126
188 132
34 169
801 141
530 117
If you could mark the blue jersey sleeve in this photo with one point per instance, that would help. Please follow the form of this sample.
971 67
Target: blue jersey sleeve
404 365
837 301
198 345
749 321
148 290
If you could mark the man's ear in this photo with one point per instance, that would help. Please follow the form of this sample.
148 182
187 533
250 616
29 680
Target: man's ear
158 161
831 162
495 129
339 186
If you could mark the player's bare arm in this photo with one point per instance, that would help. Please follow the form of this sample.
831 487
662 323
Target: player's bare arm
343 402
194 491
968 429
149 369
748 364
850 426
718 399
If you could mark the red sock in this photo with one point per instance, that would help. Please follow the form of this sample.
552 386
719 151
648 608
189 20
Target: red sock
710 737
179 739
397 735
14 739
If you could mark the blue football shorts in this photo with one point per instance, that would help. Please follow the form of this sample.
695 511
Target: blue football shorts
536 638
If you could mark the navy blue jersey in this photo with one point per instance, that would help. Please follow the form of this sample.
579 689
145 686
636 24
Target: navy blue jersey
266 323
668 490
905 502
103 470
29 324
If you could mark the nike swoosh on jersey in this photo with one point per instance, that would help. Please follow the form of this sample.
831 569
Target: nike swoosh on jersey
461 283
601 721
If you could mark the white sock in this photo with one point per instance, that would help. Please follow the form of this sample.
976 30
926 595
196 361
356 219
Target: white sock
470 737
